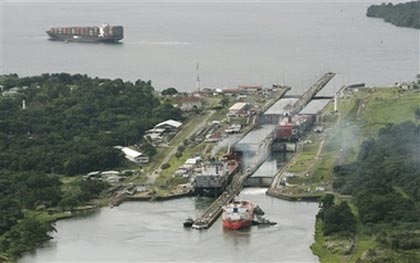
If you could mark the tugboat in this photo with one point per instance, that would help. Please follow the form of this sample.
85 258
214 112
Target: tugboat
188 222
261 221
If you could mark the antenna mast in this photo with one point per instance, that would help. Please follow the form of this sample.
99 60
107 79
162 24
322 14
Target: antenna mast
198 77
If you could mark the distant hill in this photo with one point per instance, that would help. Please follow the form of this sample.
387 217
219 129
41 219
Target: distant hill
404 14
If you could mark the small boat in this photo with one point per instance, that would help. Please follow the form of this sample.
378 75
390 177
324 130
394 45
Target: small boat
261 221
258 211
188 222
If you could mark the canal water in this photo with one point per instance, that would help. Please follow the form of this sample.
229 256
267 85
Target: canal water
235 42
153 231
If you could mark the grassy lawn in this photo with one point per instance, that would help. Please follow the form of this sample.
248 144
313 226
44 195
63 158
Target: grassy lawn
363 241
301 163
388 106
138 179
363 244
175 163
324 169
187 130
319 247
156 160
305 159
185 133
44 216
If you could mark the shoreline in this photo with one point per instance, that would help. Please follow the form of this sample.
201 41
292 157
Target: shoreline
295 198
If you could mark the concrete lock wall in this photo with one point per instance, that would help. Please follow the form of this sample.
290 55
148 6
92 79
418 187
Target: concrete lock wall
258 181
268 119
283 147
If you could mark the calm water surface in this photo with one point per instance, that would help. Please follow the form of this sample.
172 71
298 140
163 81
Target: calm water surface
153 231
235 42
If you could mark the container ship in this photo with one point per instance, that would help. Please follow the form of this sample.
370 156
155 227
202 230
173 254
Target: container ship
292 128
103 33
239 214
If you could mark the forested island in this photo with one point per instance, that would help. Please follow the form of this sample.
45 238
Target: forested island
55 126
404 14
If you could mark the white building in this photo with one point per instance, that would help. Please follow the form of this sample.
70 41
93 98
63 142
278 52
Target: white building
250 88
135 156
238 109
193 161
235 128
161 130
169 124
111 173
11 92
155 134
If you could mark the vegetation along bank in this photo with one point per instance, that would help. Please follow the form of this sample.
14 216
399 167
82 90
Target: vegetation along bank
372 212
53 127
403 14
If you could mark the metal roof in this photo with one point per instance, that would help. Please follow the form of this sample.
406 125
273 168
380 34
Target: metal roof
238 106
130 152
172 123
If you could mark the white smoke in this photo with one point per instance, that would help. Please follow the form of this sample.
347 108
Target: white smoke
230 140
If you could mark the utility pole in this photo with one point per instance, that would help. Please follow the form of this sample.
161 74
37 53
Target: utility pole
198 77
335 100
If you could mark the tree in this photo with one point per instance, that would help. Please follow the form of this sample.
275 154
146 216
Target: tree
11 213
224 102
169 91
70 201
165 166
181 148
75 121
327 201
403 14
339 219
148 149
384 181
417 113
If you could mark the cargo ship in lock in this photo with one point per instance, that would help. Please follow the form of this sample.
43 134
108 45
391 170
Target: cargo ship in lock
212 178
104 33
293 127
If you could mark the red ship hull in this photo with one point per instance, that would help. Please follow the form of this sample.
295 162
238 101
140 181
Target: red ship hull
237 224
